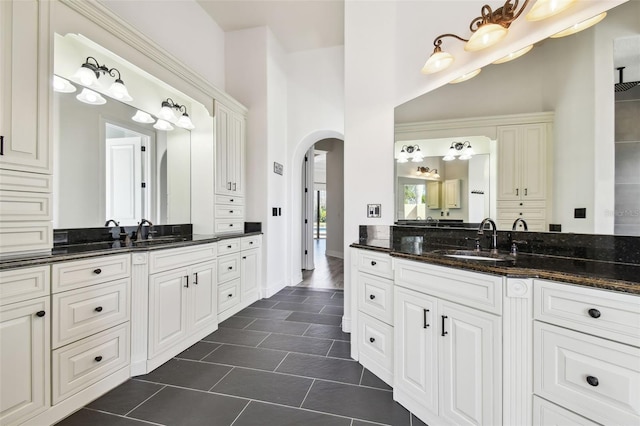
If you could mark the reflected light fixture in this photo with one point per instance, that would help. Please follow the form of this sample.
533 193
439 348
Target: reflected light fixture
514 55
461 149
410 152
465 77
163 125
89 73
62 85
576 28
167 113
143 117
90 97
546 8
428 173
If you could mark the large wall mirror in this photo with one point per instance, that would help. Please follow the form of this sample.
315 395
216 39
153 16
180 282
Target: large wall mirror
594 149
109 166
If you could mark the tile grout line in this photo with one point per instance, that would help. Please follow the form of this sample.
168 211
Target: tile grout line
212 351
241 411
307 394
221 379
281 361
154 394
122 416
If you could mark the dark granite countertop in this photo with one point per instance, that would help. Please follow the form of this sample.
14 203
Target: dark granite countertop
622 277
81 251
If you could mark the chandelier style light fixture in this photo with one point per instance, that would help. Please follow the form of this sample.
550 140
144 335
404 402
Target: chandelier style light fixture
168 113
491 27
428 173
89 73
462 150
410 152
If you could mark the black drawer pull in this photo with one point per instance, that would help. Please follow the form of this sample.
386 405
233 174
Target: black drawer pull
230 268
231 225
230 295
231 200
593 381
40 313
425 325
244 257
594 313
98 309
229 247
97 271
444 317
195 278
371 339
251 242
373 263
187 284
372 296
231 211
98 358
1 145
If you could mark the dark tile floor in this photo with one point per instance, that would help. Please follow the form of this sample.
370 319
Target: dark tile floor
283 361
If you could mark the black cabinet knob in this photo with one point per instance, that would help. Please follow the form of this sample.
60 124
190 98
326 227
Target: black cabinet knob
230 268
251 242
231 211
98 358
373 263
40 314
244 257
593 381
231 200
228 247
372 296
371 339
97 271
98 309
594 313
229 295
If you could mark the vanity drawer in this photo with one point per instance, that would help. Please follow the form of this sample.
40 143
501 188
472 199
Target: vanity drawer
608 314
375 297
522 213
375 347
86 311
81 364
229 212
524 204
81 273
24 206
226 226
594 377
546 413
248 243
12 180
164 260
375 263
229 200
17 285
228 267
26 236
228 295
229 246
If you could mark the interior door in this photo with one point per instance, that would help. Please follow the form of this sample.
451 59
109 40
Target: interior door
124 180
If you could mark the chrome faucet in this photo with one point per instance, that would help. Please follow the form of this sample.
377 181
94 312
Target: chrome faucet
139 230
494 235
110 221
515 224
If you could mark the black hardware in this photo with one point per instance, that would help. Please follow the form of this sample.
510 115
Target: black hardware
372 296
231 211
97 271
143 148
373 263
593 381
1 145
306 221
229 186
230 268
371 339
520 203
594 313
40 313
195 278
231 225
424 311
231 200
517 191
306 190
98 358
306 252
187 277
525 192
244 257
98 309
234 186
251 242
444 332
144 184
230 295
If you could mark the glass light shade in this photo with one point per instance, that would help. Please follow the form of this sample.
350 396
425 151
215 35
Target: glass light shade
467 153
119 91
143 117
185 122
576 28
163 125
402 156
437 62
544 9
166 113
485 36
90 97
467 76
435 174
86 76
451 155
62 85
417 156
514 55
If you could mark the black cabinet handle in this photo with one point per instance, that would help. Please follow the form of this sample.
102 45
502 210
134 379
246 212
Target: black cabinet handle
1 145
231 225
234 186
244 257
98 358
230 268
371 339
229 295
594 313
187 277
444 317
425 318
231 200
195 278
98 309
228 247
593 381
231 211
372 296
525 192
251 242
97 271
373 263
229 186
40 313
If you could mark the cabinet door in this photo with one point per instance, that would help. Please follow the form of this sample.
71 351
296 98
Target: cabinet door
249 275
24 88
415 354
204 295
433 195
534 162
508 163
471 365
24 359
167 309
223 183
236 143
452 193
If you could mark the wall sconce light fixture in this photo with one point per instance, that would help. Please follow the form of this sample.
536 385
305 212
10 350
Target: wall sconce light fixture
89 73
461 149
143 117
163 125
62 85
576 28
90 97
428 173
167 113
491 27
410 152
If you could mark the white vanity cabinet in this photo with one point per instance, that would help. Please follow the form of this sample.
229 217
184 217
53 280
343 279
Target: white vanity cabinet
448 344
586 354
25 346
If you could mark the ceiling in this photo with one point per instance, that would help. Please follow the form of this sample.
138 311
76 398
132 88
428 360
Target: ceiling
297 24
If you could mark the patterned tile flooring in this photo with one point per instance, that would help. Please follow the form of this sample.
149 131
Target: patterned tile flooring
283 361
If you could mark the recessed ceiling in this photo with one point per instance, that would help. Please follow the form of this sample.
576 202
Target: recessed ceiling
297 24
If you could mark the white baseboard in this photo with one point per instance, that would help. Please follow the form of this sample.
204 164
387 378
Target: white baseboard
346 324
334 253
296 279
272 289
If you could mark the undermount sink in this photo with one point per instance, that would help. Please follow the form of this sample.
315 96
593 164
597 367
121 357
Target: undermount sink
483 256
